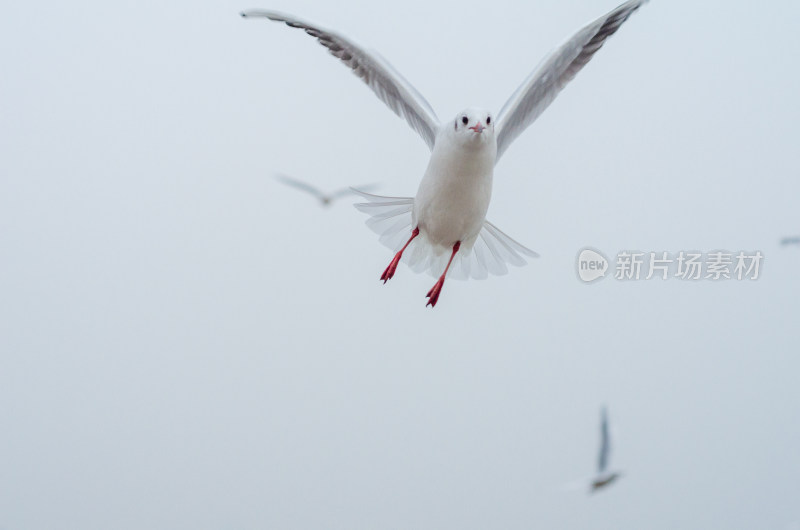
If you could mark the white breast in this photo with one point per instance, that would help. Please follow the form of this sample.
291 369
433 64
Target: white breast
454 194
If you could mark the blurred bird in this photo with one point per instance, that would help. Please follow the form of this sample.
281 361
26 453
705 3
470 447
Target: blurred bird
786 241
324 198
604 477
445 224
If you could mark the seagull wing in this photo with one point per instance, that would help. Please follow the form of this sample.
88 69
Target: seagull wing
300 185
605 442
554 72
343 192
382 78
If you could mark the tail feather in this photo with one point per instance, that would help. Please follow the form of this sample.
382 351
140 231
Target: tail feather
509 243
491 250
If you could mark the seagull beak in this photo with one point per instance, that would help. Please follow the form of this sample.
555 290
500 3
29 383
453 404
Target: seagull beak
478 128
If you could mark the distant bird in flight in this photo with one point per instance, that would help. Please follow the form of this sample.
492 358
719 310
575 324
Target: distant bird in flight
445 225
324 198
604 477
786 241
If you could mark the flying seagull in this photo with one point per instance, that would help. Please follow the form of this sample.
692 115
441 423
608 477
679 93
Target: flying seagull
786 241
604 477
324 198
445 224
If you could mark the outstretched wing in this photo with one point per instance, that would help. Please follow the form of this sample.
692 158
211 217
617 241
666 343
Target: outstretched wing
343 192
300 185
554 72
382 78
605 442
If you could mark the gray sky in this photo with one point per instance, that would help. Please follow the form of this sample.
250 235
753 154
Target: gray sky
186 343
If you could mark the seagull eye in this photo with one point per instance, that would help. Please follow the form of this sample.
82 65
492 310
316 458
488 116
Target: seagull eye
465 120
488 120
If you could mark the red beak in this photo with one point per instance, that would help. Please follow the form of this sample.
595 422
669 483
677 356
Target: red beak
478 128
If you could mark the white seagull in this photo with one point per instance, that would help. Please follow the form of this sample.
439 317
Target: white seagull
445 224
604 477
324 198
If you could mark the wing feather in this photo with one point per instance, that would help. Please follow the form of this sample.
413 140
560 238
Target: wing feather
605 443
300 185
397 93
543 85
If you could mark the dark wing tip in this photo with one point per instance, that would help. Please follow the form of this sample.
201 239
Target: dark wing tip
261 13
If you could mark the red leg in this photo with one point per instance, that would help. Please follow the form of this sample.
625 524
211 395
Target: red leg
390 270
436 290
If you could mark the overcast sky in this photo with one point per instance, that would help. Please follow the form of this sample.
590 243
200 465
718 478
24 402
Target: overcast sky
187 343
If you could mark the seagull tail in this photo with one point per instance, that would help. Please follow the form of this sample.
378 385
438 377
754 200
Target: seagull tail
389 217
488 253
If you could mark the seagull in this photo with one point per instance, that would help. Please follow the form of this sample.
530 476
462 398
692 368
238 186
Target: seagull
324 198
786 241
603 477
445 224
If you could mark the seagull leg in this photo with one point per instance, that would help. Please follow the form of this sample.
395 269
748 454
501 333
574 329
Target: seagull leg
436 290
390 270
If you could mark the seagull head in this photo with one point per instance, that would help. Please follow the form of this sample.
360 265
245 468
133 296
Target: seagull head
474 125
